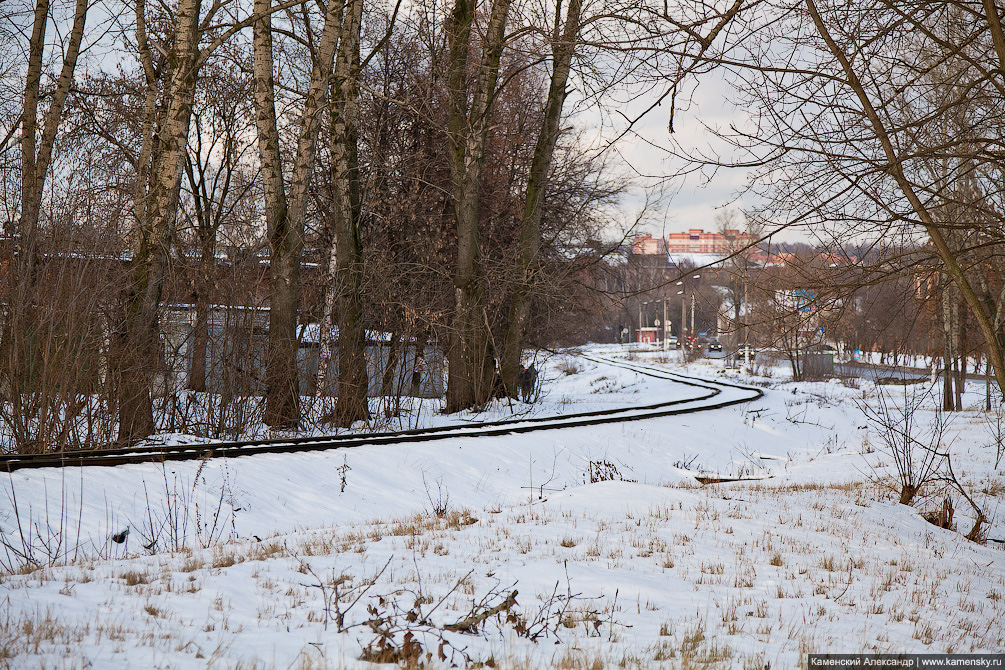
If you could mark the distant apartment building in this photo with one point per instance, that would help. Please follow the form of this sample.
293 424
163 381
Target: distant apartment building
697 241
657 251
694 241
647 245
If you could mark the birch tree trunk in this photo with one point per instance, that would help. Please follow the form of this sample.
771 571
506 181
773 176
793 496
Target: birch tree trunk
36 152
472 372
138 337
563 51
285 215
345 284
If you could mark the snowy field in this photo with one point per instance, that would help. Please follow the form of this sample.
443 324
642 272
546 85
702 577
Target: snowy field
589 547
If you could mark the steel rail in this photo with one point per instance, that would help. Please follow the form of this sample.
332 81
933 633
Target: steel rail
231 449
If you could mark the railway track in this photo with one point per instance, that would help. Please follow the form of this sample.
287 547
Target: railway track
712 394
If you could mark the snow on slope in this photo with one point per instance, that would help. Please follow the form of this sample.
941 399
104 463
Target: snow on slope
614 551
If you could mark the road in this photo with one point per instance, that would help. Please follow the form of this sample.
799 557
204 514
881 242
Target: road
875 373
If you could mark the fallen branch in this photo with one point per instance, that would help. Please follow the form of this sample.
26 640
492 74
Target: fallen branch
470 624
712 479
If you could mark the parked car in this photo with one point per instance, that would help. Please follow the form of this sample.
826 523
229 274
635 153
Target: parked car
745 350
715 345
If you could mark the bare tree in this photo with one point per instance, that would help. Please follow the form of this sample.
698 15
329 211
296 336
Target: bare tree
472 371
457 157
171 64
741 234
857 132
563 48
36 151
917 450
218 181
285 209
160 163
21 331
344 286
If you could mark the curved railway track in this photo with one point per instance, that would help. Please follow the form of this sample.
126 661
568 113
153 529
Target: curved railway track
713 395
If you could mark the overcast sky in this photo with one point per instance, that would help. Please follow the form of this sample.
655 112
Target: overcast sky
688 202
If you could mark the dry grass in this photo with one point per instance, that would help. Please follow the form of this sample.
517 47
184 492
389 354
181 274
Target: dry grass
770 586
135 578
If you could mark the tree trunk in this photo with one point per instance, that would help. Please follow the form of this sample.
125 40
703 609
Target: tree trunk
987 385
563 50
200 328
472 370
139 344
36 153
997 34
285 216
947 350
353 381
282 407
387 381
21 319
961 356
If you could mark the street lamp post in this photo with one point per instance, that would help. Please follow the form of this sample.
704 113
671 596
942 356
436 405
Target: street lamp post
692 311
746 329
641 304
683 313
683 305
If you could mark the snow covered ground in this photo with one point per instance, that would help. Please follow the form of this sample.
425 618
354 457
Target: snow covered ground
588 547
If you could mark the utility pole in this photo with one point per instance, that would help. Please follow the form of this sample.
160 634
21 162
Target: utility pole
641 323
683 316
692 311
666 325
683 306
746 329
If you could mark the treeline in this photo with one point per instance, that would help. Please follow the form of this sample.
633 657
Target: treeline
404 174
434 171
890 298
874 129
878 132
